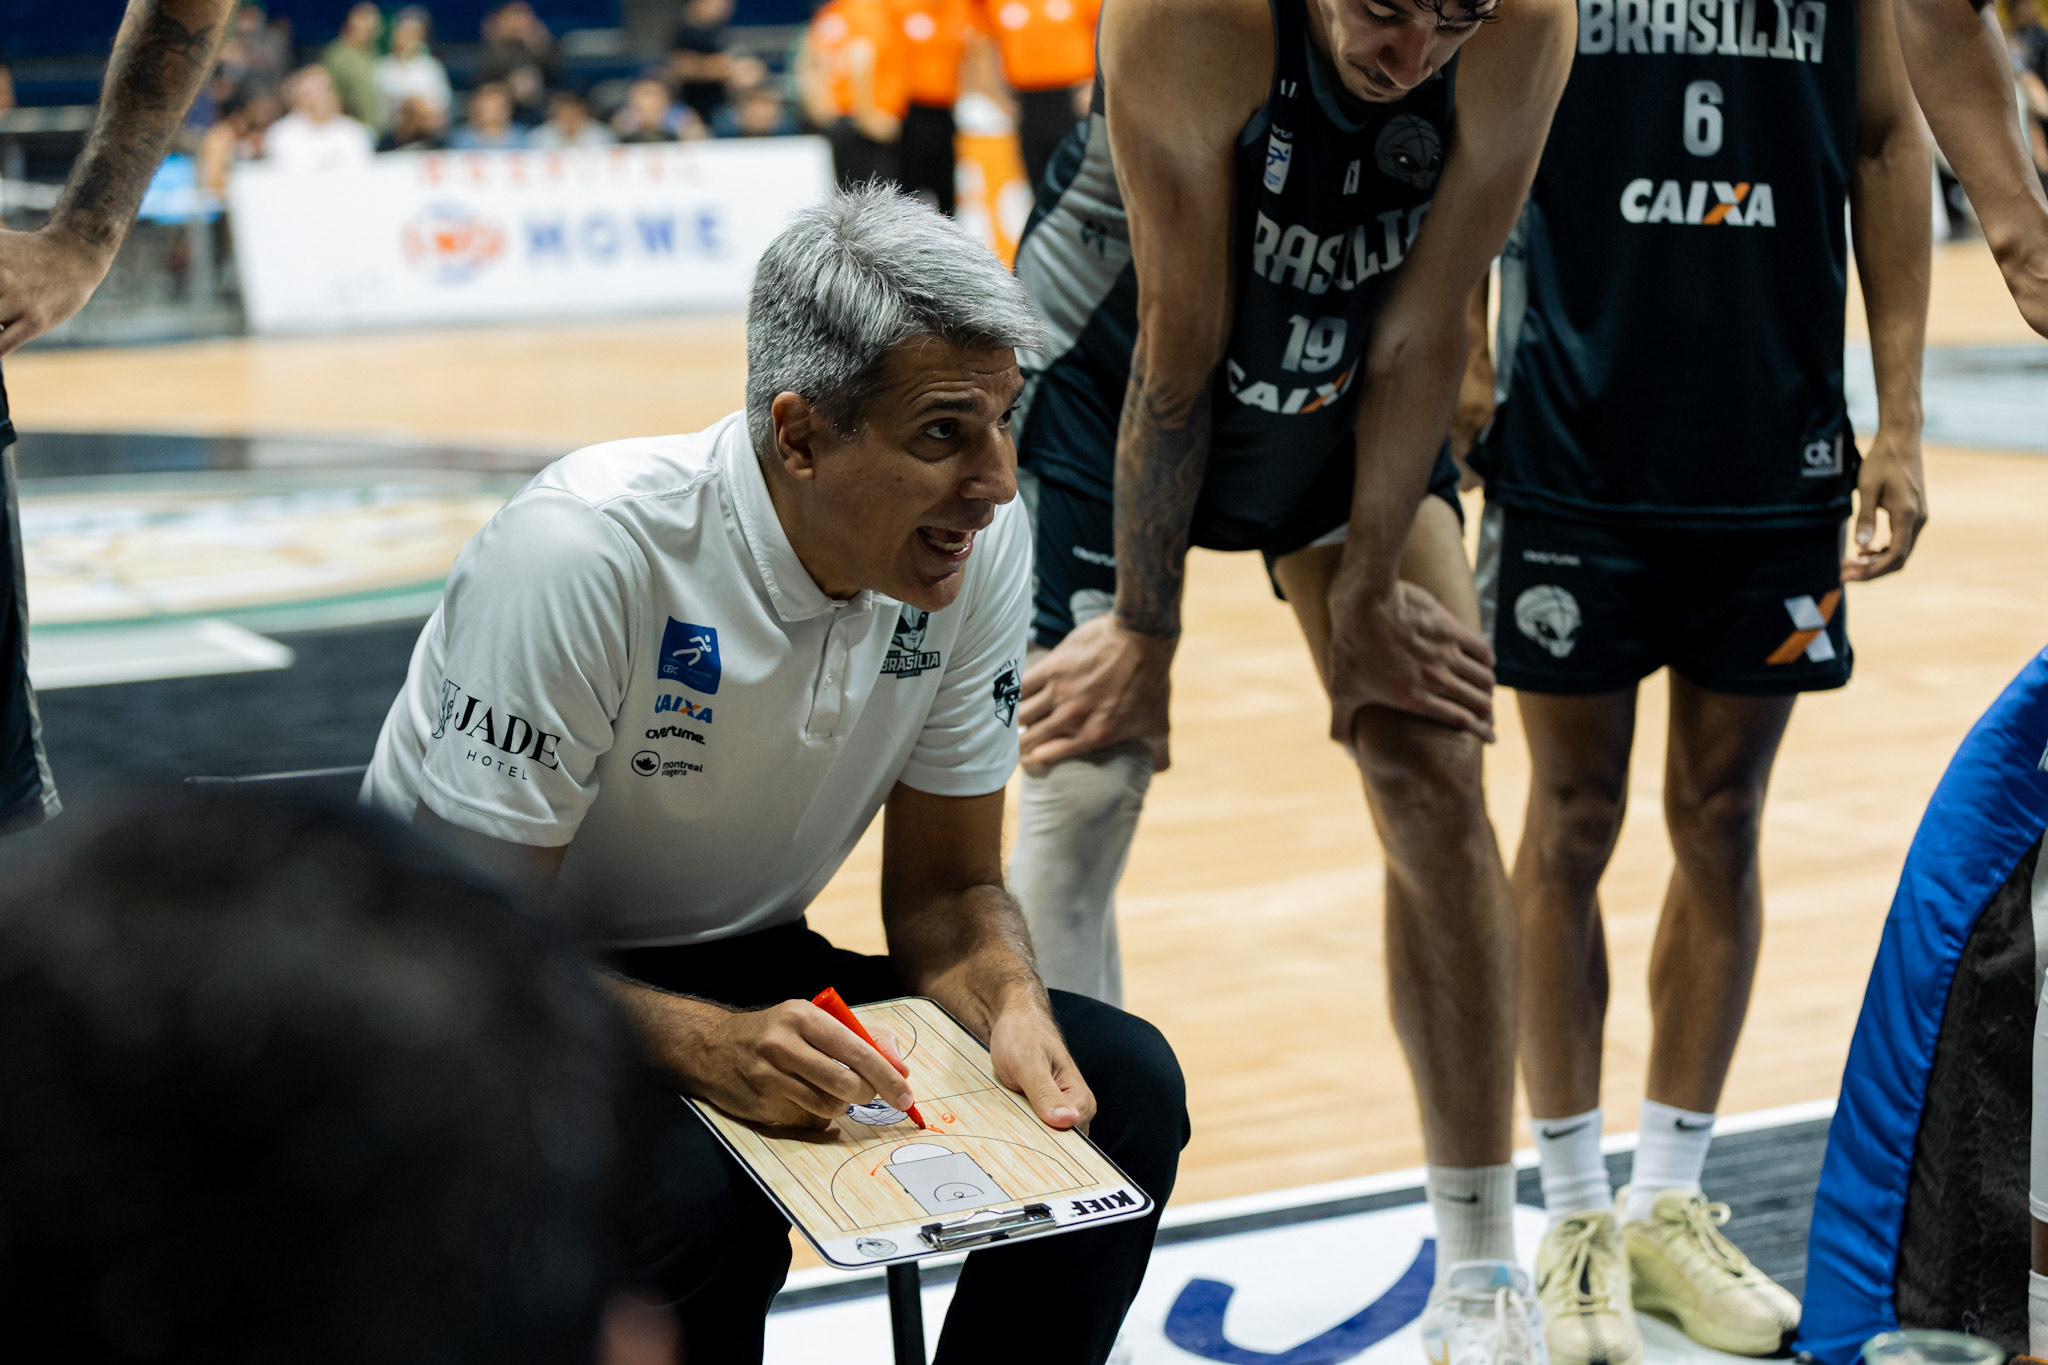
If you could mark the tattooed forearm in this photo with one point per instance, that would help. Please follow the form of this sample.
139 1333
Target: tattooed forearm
160 57
1162 449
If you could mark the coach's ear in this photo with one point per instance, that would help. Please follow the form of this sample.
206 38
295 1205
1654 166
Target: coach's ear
798 428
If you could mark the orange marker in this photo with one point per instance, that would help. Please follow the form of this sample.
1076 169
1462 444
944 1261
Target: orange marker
828 1000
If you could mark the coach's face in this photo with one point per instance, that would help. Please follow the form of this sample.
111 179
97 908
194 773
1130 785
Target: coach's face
1383 49
896 508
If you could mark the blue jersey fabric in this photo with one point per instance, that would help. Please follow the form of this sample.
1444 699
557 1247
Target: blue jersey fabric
1991 806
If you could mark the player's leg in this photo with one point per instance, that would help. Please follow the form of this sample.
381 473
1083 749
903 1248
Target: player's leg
1760 618
1450 925
1075 820
28 795
1063 1298
1571 610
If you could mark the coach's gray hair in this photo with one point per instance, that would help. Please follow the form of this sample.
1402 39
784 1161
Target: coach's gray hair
854 277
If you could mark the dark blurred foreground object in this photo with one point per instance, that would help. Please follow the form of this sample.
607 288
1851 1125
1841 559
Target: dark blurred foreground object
277 1084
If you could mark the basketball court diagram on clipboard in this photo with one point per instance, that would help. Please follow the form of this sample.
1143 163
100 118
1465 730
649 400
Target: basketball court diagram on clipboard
874 1188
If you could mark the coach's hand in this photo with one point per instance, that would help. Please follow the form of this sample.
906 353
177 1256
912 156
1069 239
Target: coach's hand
1891 480
1405 650
45 277
791 1064
1032 1059
1100 686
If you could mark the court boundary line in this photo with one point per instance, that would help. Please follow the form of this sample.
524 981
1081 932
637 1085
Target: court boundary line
817 1285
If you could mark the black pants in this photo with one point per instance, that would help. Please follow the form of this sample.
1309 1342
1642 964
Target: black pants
27 795
858 158
1043 118
702 1232
926 154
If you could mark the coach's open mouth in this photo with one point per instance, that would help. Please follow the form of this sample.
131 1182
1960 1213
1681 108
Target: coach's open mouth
946 542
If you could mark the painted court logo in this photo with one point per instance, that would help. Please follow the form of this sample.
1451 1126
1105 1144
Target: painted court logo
907 657
689 655
1809 635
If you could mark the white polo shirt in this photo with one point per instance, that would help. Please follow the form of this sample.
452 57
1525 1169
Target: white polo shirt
630 659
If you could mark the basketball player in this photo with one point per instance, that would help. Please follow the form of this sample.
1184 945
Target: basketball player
161 55
1667 482
1256 342
1962 75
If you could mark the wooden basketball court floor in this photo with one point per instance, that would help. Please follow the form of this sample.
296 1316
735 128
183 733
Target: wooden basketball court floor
1252 907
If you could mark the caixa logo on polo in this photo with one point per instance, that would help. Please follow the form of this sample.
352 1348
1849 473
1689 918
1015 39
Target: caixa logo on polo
451 242
498 739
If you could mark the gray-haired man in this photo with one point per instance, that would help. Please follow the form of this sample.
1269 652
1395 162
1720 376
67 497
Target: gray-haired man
676 678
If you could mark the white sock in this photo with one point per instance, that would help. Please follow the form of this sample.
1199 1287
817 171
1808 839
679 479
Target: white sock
1671 1151
1574 1174
2037 1314
1475 1214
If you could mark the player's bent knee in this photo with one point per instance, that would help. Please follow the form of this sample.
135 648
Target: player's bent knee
1423 776
1720 825
1575 836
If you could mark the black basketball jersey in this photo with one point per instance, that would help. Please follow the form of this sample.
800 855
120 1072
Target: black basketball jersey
1330 192
1672 299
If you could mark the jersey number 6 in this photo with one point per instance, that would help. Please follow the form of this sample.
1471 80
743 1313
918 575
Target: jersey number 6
1703 118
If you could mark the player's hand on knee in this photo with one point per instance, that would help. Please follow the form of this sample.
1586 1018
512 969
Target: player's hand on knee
45 277
795 1065
1407 651
1032 1059
1891 481
1102 685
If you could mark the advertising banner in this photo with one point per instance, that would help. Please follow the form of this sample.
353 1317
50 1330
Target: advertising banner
440 237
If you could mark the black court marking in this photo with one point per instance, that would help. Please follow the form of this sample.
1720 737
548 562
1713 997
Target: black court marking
1995 397
1770 1172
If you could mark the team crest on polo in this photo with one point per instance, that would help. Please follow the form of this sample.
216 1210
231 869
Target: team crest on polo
1009 689
907 656
689 655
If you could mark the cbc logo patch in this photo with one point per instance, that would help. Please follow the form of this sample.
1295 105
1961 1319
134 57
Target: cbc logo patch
1549 615
1409 149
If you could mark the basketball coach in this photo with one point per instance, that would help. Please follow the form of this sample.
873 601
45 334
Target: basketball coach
676 677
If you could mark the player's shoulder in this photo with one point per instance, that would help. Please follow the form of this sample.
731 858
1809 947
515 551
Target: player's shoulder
1181 66
641 471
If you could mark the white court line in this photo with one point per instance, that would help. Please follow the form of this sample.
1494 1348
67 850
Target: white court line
1336 1191
91 656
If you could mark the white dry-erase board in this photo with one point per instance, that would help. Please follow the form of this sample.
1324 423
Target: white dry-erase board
874 1188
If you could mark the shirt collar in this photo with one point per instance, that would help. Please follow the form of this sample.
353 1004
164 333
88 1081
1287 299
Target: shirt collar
796 595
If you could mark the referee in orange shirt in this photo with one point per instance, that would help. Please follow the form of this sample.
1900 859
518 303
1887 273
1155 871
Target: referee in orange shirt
937 35
1048 49
851 75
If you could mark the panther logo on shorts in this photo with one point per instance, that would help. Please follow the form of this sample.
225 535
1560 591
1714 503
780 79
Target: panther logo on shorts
1550 616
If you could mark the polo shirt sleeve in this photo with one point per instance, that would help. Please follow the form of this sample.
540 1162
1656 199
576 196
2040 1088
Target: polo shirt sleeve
536 624
968 745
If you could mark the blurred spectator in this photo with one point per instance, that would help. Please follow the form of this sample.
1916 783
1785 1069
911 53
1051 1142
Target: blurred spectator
316 135
702 63
1048 49
411 70
2028 38
489 126
520 54
2029 44
279 1084
754 111
6 86
258 50
650 115
852 77
351 59
569 125
417 127
237 135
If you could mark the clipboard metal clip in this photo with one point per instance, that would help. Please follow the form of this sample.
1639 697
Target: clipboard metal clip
988 1225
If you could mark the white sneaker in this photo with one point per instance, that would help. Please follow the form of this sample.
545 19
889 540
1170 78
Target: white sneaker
1483 1314
1583 1287
1682 1265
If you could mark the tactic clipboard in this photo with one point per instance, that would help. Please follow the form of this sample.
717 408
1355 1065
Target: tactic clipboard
874 1189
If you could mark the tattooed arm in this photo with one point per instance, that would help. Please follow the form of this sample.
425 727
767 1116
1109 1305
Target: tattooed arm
1182 77
161 55
1956 56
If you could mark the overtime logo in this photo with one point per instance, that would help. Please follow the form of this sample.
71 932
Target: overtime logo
1703 203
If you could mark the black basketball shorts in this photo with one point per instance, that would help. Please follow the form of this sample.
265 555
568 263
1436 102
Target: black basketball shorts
1074 547
1580 608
